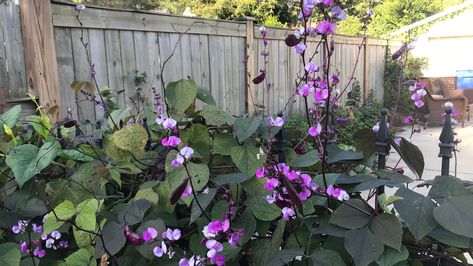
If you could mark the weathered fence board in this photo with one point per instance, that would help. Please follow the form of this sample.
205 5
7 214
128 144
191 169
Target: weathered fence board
123 44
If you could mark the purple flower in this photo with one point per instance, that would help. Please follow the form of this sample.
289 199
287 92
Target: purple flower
56 234
310 4
325 27
23 247
292 175
80 7
271 183
186 152
20 227
408 120
172 235
320 95
160 251
338 13
270 199
315 130
187 192
265 42
337 193
172 141
233 239
169 123
311 68
305 90
375 128
326 2
305 178
278 122
419 103
370 12
214 247
149 234
39 252
193 261
63 244
261 172
49 242
176 163
263 31
300 48
287 213
216 227
218 260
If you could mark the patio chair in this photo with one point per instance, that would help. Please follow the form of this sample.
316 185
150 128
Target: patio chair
435 99
449 88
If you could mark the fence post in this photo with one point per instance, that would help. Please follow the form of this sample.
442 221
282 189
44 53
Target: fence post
382 149
40 52
250 65
446 142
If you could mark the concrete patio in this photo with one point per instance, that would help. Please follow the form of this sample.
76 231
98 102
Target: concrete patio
427 141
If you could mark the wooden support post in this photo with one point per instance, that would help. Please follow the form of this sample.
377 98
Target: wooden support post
366 68
40 53
250 65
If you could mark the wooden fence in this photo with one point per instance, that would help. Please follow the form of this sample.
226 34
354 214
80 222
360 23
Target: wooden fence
122 43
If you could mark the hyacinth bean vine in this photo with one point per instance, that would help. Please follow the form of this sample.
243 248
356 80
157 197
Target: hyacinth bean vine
161 182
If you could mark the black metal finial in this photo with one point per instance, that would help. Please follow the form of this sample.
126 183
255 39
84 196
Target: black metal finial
446 141
382 140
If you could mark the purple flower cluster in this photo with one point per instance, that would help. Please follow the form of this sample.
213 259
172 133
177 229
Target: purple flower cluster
38 246
215 232
169 236
418 92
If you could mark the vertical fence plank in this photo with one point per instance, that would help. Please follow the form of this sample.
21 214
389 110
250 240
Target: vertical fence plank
4 84
128 64
250 58
40 52
65 61
85 108
114 64
99 60
204 61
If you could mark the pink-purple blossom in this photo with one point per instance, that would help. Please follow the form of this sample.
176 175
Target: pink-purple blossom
278 122
338 13
300 48
38 252
311 68
176 163
305 90
271 183
261 172
159 251
172 235
150 234
314 131
408 120
287 213
337 193
186 152
172 141
325 27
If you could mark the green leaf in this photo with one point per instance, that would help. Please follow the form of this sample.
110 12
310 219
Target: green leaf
79 258
387 228
278 233
131 138
41 124
391 256
233 178
134 211
305 160
363 246
199 172
148 194
348 217
180 95
215 116
83 239
261 209
113 239
261 252
117 115
27 160
147 248
9 254
223 144
248 222
447 186
330 178
455 214
326 257
63 211
450 238
411 155
205 96
416 211
86 214
77 156
285 256
364 140
197 137
335 154
204 200
244 127
393 176
245 158
10 117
